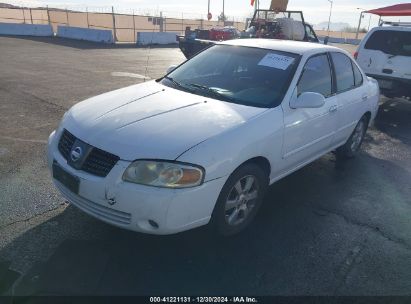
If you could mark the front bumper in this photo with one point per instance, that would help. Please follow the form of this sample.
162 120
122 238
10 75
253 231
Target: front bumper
133 206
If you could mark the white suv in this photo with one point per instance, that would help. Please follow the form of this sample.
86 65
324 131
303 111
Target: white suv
385 54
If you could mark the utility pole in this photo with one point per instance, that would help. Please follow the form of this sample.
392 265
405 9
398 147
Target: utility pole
114 24
67 17
24 16
329 18
48 15
161 22
223 15
88 23
134 28
359 22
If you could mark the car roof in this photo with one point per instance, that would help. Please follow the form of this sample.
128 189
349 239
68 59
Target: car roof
392 28
290 46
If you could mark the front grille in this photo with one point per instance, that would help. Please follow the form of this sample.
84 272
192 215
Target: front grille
66 143
98 162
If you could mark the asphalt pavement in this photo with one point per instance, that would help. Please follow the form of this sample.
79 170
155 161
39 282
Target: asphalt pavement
332 228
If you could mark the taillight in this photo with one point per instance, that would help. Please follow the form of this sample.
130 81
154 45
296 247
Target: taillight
356 55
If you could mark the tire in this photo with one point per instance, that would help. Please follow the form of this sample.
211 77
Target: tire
353 144
239 200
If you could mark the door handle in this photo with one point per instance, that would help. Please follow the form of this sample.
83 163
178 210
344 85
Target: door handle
333 109
364 98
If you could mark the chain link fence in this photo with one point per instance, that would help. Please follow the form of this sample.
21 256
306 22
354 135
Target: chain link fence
124 26
126 23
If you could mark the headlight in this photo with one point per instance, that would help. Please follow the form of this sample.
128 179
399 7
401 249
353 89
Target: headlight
164 174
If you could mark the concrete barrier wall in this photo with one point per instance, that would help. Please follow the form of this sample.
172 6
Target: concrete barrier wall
147 38
79 33
25 29
337 34
341 40
353 41
336 40
126 25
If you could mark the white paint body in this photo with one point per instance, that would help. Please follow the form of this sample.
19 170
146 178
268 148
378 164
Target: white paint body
153 121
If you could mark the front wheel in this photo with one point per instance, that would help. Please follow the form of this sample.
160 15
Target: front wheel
240 199
353 144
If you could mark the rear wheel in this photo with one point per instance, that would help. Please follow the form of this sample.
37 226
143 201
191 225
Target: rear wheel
353 144
240 199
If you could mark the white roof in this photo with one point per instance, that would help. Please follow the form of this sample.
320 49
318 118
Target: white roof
392 28
297 47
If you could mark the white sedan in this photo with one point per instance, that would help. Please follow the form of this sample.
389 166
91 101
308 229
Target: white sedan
202 144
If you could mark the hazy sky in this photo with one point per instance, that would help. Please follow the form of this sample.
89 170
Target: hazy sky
315 11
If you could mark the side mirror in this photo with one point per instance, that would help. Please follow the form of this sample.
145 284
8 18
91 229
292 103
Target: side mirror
308 100
326 40
171 68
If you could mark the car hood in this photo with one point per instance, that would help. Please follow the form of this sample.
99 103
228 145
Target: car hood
151 120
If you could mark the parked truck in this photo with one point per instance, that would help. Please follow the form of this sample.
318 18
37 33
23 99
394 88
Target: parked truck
268 24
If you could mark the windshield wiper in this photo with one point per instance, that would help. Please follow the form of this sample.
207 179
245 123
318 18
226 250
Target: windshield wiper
184 87
174 81
211 92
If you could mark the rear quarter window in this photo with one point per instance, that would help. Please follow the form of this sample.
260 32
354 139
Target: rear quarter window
343 72
390 42
357 75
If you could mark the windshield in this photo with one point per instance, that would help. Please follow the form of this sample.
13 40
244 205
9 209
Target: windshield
397 43
243 75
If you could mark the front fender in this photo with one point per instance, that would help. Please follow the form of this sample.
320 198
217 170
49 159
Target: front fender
259 137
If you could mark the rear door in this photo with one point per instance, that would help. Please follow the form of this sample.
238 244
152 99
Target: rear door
351 95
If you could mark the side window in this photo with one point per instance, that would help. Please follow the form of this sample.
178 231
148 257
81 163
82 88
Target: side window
316 76
357 75
343 72
391 42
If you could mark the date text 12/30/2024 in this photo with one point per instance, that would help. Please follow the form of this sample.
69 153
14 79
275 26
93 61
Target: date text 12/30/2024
203 300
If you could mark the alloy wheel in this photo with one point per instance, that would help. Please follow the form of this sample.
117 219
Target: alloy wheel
357 136
241 200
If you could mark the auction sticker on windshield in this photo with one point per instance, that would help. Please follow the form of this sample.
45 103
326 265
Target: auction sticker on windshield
276 61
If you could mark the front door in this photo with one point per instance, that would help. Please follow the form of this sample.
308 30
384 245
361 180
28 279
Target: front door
309 132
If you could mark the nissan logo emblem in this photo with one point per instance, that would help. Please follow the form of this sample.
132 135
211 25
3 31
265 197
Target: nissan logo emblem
76 154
